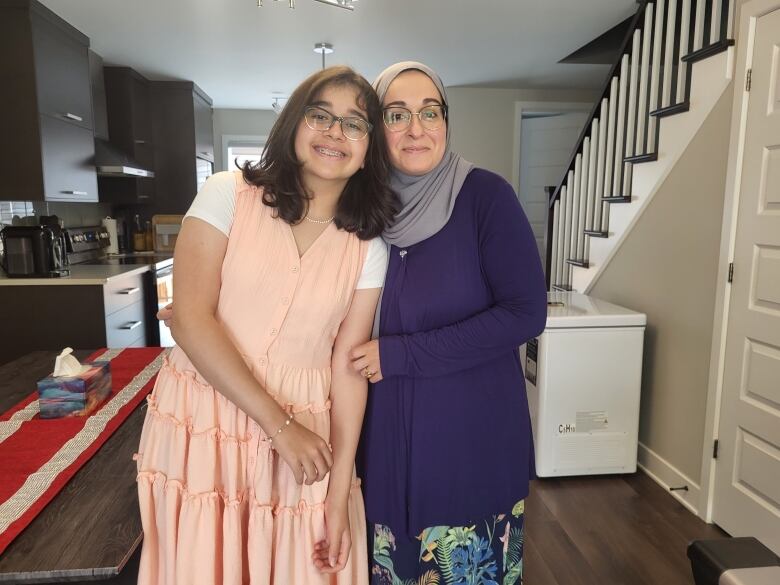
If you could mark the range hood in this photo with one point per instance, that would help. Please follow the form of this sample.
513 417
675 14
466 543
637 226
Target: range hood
112 162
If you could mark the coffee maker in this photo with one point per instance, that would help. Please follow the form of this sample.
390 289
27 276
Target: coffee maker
34 251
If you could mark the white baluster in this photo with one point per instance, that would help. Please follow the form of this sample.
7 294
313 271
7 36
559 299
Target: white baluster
561 234
671 36
715 21
575 206
567 227
644 79
600 163
591 189
554 247
609 151
583 199
655 73
633 88
631 118
685 27
620 142
698 25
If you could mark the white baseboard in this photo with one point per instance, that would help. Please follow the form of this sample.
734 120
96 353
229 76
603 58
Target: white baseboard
667 475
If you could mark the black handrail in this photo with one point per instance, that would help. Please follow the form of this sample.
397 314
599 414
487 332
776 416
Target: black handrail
635 23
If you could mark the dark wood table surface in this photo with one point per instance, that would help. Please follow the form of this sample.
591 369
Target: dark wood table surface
91 530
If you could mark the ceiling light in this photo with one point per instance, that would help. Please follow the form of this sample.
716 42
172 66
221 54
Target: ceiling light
276 106
323 49
345 4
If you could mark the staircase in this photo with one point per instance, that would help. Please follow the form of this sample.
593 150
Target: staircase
676 61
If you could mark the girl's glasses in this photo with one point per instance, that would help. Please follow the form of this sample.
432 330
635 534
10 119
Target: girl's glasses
321 120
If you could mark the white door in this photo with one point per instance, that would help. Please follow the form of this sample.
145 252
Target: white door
747 483
546 144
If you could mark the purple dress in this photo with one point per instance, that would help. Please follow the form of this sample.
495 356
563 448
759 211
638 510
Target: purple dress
447 435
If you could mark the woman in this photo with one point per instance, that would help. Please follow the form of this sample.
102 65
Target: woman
446 452
246 461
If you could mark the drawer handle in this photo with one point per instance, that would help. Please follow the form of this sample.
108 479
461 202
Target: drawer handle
129 291
74 192
140 141
70 116
131 325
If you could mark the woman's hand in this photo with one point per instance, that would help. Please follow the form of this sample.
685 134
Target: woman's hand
166 314
330 555
365 360
305 452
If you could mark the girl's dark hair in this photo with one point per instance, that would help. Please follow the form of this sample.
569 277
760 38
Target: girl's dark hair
367 204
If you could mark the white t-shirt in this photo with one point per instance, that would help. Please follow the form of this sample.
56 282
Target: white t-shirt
215 204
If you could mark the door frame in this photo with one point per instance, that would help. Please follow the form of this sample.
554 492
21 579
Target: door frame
522 107
745 24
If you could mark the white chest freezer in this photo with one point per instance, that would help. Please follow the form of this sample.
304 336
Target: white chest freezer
583 377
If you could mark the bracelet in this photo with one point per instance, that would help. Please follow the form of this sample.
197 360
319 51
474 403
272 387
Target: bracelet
280 429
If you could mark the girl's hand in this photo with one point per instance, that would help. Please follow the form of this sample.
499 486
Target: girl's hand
166 314
365 360
305 452
331 555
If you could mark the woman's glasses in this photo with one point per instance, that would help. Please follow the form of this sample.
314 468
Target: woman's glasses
398 119
321 120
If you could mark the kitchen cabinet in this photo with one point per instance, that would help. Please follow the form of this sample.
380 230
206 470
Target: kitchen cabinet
129 112
184 139
46 100
112 314
98 84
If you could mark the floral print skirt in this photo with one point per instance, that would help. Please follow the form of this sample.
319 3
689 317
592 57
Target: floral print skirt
489 552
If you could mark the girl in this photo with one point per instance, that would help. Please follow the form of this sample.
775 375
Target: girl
247 454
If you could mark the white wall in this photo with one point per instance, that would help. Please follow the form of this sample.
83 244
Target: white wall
667 268
239 122
483 121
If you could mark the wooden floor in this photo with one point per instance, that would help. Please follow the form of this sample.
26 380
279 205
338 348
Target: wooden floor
615 530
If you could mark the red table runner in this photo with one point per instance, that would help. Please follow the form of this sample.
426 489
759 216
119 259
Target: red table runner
38 457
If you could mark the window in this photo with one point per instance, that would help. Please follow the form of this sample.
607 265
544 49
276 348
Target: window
238 155
240 148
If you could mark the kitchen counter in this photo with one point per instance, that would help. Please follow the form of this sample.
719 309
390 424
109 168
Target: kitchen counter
80 274
91 530
100 273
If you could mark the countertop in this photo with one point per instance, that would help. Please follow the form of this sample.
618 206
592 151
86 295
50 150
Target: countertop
80 274
92 528
97 274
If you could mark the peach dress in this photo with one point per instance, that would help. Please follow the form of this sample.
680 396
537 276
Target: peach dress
218 505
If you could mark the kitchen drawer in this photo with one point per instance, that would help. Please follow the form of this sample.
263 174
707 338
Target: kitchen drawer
122 292
126 327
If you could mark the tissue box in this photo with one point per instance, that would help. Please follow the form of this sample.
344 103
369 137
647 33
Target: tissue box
75 395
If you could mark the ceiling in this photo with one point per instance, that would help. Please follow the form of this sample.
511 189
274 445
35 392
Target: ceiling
241 54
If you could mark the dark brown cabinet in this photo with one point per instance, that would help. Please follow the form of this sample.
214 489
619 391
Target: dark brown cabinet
97 80
129 109
46 130
61 72
68 170
184 143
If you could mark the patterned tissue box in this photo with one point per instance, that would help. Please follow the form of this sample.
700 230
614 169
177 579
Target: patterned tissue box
75 395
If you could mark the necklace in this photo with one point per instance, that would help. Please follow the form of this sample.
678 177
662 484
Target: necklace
312 220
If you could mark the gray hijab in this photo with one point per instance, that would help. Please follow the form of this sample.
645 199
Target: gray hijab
427 200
